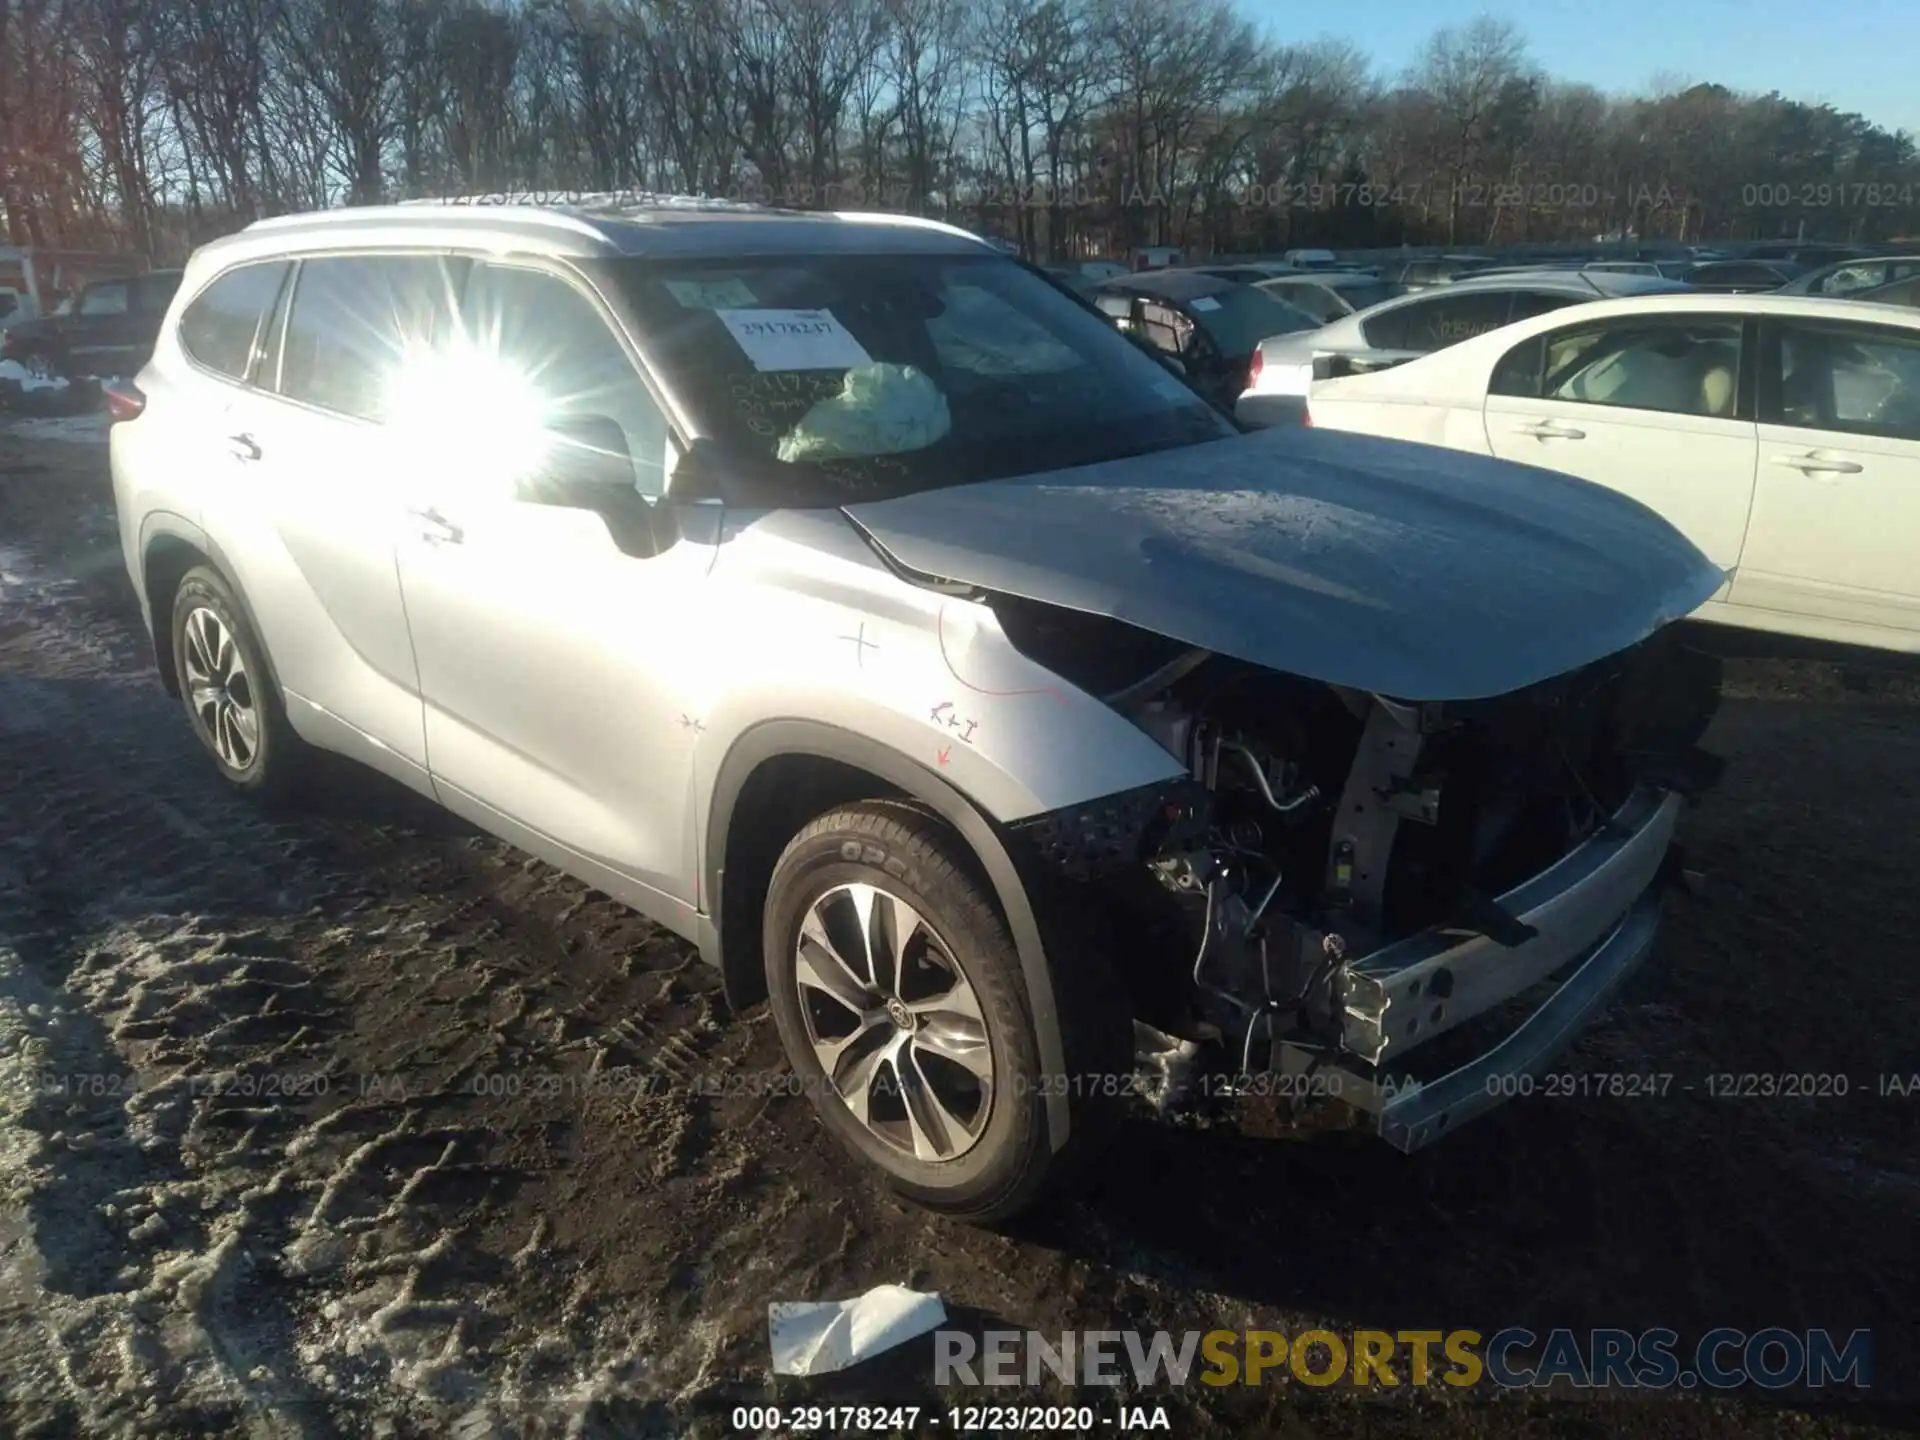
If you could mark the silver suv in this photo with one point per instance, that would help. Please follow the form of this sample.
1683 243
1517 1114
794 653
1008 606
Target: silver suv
855 602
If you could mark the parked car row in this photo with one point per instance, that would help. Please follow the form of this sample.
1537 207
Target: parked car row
1416 324
1780 433
1211 325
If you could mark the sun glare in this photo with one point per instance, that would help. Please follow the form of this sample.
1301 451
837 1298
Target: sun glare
474 421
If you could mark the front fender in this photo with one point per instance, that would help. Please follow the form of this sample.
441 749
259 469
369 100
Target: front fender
774 738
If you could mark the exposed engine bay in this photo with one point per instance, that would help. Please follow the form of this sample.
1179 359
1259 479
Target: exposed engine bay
1321 824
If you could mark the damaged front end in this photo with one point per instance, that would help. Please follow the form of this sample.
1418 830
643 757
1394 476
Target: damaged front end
1347 889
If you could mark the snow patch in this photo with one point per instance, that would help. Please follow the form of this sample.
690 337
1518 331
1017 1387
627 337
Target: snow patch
18 374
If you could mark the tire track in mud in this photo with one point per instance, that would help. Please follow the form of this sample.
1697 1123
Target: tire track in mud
271 1084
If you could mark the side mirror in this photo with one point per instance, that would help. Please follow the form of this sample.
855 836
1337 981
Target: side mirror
585 454
587 467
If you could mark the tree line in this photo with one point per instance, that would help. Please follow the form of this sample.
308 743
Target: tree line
1069 127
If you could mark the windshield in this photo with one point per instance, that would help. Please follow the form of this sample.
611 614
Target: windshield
869 375
1240 317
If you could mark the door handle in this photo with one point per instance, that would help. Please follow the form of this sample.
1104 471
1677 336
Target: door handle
1818 465
1550 430
436 529
243 446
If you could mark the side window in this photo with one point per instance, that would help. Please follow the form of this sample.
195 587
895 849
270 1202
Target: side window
552 334
1681 368
220 329
351 321
1519 371
1115 307
1388 330
1848 278
108 297
1906 292
1454 318
1313 299
1855 380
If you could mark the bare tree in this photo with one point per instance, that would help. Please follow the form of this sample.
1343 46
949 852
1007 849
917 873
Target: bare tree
1468 76
1090 123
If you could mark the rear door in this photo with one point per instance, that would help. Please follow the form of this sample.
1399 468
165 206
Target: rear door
1835 536
224 332
1648 407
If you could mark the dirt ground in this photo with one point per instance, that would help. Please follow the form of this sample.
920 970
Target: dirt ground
294 1138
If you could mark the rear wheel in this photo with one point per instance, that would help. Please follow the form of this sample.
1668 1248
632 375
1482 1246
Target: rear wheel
901 1004
231 700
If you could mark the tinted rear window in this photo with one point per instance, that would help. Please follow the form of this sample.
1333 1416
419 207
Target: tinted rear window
1240 318
220 327
1363 297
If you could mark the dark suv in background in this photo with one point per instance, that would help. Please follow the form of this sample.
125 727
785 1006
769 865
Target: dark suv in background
108 331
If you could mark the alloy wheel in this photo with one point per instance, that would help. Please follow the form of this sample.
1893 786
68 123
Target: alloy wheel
894 1022
220 693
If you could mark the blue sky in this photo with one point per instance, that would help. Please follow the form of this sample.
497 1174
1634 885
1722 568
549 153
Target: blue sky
1855 54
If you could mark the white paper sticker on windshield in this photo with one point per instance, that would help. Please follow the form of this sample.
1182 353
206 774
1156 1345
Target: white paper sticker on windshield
1204 302
793 339
710 294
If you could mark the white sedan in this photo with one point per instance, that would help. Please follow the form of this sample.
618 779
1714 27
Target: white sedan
1780 433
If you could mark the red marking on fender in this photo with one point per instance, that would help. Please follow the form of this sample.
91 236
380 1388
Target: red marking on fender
944 753
940 631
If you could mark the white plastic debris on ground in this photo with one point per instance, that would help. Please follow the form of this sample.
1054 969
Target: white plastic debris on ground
16 373
819 1337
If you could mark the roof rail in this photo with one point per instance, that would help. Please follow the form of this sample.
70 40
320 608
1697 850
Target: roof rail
610 202
406 213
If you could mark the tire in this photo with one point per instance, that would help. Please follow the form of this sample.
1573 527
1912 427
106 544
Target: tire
229 692
998 1160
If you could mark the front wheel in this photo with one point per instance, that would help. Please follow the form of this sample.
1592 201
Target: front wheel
900 1002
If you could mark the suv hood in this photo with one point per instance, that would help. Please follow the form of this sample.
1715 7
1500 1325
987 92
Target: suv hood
1401 569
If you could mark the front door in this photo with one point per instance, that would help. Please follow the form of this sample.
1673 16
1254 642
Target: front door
1835 539
560 666
328 452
